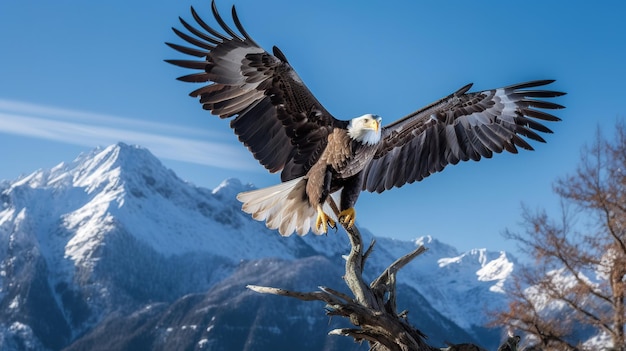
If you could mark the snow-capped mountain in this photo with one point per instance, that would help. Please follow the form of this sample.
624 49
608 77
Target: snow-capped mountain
114 251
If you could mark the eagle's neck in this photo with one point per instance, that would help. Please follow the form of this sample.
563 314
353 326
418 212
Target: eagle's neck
365 137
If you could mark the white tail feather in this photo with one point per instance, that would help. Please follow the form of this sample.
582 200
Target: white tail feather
284 206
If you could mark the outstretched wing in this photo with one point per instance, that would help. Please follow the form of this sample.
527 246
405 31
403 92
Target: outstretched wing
275 114
460 127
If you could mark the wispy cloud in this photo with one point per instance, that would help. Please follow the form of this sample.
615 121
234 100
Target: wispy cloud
92 129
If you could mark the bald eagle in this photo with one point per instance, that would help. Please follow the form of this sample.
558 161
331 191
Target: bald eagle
289 131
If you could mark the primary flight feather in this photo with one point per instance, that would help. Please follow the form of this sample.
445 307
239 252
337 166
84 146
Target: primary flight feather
289 131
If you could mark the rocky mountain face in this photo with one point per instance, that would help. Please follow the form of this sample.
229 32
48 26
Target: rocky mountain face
113 251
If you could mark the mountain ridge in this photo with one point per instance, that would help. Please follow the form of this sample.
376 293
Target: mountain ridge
114 231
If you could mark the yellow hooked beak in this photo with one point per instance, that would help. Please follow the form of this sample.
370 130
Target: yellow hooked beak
374 124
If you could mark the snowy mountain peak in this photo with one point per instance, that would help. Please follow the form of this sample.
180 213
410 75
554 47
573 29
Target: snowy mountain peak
496 270
436 247
91 170
488 266
118 162
229 188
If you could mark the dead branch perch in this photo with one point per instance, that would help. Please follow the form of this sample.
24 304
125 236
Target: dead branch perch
373 309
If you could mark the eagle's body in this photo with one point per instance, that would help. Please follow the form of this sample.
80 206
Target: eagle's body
340 167
288 130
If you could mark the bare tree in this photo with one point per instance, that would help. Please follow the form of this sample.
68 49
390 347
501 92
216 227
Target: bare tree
578 277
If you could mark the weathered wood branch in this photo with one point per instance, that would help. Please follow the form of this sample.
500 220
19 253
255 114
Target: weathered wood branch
308 296
355 262
372 310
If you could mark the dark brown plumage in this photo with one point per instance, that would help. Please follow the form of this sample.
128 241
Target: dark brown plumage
289 131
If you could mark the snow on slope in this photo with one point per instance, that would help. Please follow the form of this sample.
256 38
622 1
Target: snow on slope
461 286
126 186
120 197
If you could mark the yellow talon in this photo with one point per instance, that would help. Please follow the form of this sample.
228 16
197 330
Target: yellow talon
347 217
323 221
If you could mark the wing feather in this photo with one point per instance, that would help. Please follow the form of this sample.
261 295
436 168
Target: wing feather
206 27
191 40
198 33
188 64
485 140
539 115
223 24
273 113
187 50
462 126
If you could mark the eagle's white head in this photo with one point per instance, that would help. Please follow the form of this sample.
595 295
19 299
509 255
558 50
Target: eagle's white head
365 129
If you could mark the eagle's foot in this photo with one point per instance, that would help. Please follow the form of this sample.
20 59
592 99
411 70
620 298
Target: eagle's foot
323 221
347 217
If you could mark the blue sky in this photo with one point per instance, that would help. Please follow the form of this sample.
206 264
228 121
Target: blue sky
75 75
